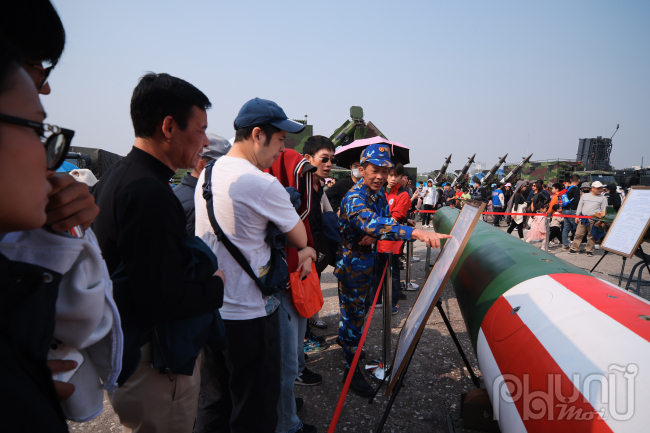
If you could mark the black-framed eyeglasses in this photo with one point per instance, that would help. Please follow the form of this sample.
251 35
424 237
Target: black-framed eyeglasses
56 143
45 72
327 159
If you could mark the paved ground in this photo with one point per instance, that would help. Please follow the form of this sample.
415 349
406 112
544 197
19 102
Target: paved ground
436 376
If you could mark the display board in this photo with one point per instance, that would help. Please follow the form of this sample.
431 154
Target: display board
433 287
631 223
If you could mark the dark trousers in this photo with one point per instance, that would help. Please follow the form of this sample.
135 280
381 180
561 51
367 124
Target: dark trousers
520 228
556 233
427 216
240 386
497 218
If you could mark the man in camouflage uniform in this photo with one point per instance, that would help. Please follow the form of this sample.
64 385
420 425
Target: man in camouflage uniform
364 218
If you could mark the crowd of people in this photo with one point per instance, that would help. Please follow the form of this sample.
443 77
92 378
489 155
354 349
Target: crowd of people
188 306
553 200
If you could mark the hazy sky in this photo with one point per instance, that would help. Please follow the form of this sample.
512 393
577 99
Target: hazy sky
465 77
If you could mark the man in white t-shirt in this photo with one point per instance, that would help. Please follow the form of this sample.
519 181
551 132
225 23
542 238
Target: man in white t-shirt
241 390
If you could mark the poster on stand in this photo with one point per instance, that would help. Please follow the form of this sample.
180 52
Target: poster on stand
631 223
433 287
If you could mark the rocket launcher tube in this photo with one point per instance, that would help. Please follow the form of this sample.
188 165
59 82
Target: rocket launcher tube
572 347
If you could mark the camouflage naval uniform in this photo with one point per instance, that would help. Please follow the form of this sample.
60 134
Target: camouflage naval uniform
363 212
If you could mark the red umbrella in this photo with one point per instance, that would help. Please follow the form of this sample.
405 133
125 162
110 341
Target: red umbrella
346 155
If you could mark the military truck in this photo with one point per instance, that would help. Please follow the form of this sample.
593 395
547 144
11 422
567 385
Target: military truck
604 177
632 176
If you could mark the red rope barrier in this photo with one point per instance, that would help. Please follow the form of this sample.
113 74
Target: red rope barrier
525 214
357 354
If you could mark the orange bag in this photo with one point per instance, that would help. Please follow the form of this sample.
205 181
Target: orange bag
307 295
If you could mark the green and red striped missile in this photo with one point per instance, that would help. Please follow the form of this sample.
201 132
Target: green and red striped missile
560 350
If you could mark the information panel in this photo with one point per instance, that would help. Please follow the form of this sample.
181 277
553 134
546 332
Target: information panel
433 287
630 225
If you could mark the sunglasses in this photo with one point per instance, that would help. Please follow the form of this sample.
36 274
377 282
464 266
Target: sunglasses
56 143
45 72
326 159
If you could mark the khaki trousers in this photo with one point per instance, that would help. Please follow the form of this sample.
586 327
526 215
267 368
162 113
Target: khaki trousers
581 230
150 403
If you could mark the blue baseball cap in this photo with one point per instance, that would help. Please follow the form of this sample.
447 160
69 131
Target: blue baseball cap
260 111
445 184
377 154
493 185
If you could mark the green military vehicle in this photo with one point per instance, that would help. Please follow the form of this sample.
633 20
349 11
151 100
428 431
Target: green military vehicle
560 170
550 170
355 128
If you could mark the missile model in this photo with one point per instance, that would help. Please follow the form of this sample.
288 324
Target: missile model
440 177
515 171
560 350
488 177
461 176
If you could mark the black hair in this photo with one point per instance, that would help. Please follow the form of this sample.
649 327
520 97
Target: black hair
160 95
575 177
611 187
316 143
34 27
397 169
539 184
555 207
245 133
10 57
558 186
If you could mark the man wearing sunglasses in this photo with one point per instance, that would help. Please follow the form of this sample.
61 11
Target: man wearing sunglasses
41 38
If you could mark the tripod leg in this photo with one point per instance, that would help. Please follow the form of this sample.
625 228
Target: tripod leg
398 386
458 346
598 262
620 277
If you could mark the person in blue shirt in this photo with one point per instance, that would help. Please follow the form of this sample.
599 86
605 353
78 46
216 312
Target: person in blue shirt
364 218
497 203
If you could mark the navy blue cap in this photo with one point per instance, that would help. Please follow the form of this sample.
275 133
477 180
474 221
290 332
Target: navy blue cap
260 111
377 154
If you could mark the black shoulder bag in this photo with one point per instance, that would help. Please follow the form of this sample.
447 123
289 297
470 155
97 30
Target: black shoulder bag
278 276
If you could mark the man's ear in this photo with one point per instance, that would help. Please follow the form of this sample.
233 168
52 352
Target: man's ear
258 136
168 126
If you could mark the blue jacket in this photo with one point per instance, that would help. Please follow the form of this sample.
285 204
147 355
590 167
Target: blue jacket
364 212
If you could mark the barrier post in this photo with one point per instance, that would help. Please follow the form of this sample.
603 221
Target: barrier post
409 258
388 309
548 232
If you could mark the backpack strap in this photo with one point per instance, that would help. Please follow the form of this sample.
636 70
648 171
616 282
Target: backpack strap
221 237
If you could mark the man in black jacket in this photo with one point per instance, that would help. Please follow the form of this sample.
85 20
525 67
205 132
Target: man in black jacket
336 192
573 193
141 225
218 147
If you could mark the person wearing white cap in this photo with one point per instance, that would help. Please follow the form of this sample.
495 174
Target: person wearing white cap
590 204
218 147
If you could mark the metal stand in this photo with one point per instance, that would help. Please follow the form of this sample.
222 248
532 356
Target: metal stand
379 369
400 381
409 257
620 277
458 346
396 390
639 281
